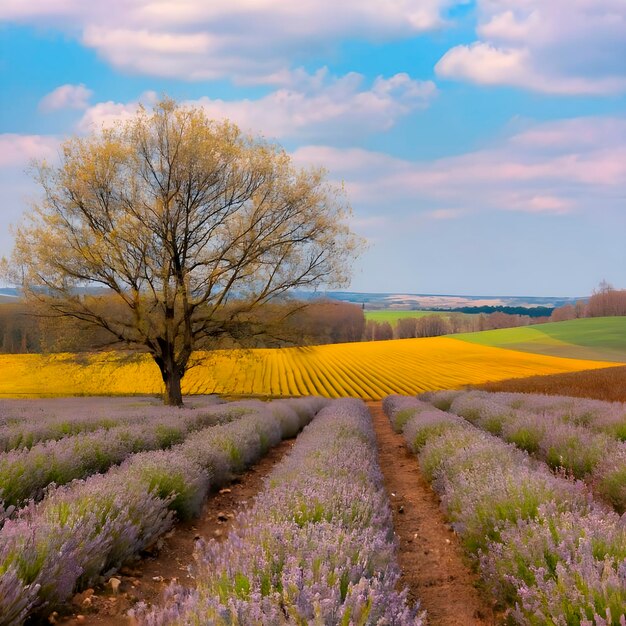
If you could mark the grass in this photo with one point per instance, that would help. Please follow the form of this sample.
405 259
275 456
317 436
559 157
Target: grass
369 370
393 316
598 338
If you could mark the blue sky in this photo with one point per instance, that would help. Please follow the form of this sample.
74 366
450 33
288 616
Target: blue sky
483 144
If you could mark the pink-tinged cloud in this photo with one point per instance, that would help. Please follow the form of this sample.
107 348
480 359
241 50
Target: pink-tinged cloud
66 97
16 151
445 214
545 169
106 114
546 204
558 46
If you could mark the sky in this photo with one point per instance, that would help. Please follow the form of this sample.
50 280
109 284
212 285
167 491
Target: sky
482 143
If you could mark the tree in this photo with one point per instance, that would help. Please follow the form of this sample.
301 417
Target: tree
383 331
187 225
329 321
607 301
431 326
563 313
406 327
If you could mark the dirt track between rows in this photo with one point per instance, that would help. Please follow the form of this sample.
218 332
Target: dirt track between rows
433 565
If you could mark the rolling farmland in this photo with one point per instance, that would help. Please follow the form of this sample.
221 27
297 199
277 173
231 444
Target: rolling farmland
598 338
243 377
393 316
368 370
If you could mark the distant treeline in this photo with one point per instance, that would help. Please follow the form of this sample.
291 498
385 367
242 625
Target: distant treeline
606 301
320 322
22 330
535 311
436 325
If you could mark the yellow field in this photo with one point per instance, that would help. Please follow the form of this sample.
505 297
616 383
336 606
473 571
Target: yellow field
368 370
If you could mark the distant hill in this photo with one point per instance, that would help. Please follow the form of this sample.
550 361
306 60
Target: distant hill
407 302
404 302
7 294
596 338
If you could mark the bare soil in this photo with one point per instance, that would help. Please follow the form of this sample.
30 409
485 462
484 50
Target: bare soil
433 565
146 579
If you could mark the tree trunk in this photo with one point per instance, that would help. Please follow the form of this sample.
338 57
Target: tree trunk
172 372
173 395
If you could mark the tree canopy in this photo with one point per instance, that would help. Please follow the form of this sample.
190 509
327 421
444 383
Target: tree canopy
187 224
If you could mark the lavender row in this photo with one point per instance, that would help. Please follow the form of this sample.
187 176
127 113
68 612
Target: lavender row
315 548
595 457
24 423
83 531
400 410
26 474
602 417
606 417
546 550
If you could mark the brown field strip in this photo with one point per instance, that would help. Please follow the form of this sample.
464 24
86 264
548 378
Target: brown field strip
608 384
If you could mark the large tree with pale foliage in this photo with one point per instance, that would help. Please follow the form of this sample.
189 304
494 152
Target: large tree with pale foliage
188 224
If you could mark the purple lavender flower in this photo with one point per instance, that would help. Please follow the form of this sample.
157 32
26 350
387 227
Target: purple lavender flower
544 547
316 547
90 527
569 434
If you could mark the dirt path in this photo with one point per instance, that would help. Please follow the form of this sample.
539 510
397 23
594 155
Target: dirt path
147 579
432 561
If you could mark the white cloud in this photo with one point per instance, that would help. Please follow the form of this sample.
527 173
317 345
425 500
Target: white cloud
246 40
66 97
327 107
555 46
105 114
545 169
482 63
318 105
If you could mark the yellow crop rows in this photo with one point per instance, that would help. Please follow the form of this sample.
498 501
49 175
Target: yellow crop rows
368 370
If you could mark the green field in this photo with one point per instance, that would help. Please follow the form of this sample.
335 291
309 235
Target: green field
599 338
393 316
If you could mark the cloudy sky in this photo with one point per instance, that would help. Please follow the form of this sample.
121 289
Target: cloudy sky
482 142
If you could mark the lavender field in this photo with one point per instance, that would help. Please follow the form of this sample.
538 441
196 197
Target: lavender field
57 539
532 488
549 547
316 548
